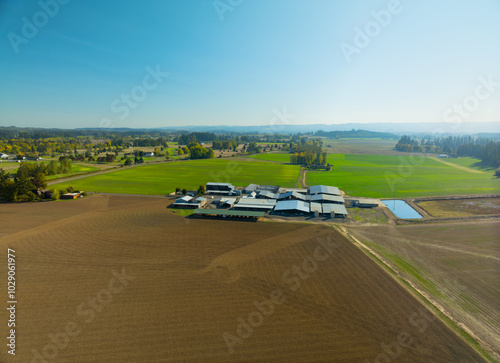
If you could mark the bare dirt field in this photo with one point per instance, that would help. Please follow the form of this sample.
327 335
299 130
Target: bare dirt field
461 207
456 264
121 279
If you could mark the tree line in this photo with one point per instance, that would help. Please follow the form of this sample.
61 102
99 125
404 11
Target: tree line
30 178
488 150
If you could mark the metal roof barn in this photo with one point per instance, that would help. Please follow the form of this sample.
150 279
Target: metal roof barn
250 188
251 203
230 213
338 209
324 189
326 198
292 205
267 194
316 207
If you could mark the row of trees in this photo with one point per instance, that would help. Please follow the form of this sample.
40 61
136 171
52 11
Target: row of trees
308 157
485 149
307 152
197 151
223 145
30 179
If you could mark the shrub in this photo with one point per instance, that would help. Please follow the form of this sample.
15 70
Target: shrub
55 194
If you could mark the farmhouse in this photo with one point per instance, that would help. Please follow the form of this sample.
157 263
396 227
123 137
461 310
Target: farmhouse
220 188
4 156
70 195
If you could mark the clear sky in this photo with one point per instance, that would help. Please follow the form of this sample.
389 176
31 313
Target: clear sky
133 63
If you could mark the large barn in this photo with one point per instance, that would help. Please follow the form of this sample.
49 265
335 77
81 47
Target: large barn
292 206
220 188
324 189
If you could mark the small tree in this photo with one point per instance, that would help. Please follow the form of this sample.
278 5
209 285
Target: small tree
497 173
202 190
177 190
55 194
184 191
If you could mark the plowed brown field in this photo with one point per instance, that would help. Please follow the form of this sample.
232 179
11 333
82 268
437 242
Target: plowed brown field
202 290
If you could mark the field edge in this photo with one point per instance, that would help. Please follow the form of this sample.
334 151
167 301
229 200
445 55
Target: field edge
421 296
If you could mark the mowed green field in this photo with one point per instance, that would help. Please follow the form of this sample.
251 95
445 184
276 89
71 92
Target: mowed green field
469 163
161 179
361 146
279 157
387 176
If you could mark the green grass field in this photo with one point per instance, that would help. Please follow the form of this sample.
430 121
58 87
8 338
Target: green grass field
75 168
469 163
279 157
361 146
387 176
163 178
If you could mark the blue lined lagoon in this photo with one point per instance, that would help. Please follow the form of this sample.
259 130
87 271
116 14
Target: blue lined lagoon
401 209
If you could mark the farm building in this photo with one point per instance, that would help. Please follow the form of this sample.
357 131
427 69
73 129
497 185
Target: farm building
334 210
270 188
298 190
316 208
251 188
148 155
292 206
4 156
70 195
267 195
255 204
293 195
364 203
327 198
324 189
226 202
219 188
187 202
231 214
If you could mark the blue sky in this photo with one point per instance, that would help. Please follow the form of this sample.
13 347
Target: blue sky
229 62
